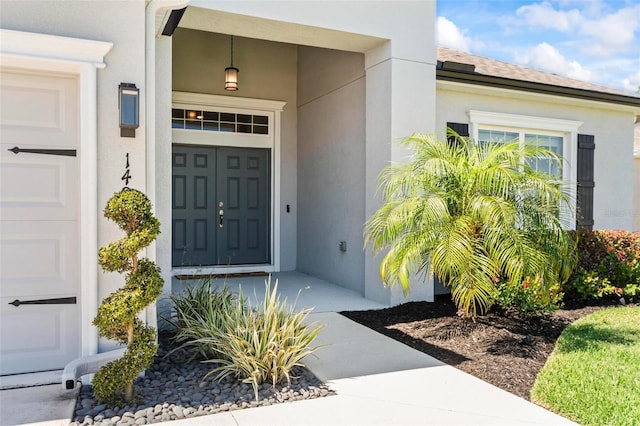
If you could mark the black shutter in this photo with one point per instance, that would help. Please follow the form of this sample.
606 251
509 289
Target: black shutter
461 129
586 183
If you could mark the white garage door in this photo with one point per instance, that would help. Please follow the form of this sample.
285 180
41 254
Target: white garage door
39 222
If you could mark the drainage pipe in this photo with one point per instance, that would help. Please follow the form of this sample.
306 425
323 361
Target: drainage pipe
87 365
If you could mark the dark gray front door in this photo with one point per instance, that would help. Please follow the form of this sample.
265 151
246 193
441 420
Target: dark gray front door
221 205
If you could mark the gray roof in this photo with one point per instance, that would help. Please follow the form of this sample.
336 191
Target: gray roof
495 68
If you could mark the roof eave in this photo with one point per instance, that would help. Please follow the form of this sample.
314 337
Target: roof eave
528 86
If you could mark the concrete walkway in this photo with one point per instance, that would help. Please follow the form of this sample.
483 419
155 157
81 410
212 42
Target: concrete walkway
378 381
44 405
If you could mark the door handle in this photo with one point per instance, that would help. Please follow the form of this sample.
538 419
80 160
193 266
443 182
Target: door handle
221 218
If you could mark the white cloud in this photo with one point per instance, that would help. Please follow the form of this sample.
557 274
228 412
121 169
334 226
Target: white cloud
449 35
598 33
543 15
632 82
548 58
614 32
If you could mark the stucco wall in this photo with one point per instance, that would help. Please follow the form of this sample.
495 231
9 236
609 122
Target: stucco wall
397 39
331 165
122 25
267 71
636 180
611 126
636 194
343 25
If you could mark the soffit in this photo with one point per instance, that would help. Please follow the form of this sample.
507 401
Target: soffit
203 19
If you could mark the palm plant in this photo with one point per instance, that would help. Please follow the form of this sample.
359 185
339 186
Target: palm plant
473 214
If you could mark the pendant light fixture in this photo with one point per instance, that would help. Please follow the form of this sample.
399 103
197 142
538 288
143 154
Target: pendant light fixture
231 74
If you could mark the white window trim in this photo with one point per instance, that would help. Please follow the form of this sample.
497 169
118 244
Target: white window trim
79 57
568 129
271 108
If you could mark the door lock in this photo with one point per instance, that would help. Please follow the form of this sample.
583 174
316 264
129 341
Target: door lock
221 217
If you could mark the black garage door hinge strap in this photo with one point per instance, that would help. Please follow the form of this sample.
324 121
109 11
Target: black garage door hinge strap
58 301
64 152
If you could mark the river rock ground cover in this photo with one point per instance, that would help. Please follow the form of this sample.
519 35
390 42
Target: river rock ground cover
498 348
173 389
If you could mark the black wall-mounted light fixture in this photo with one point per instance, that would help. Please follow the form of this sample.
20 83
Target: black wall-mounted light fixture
129 104
231 74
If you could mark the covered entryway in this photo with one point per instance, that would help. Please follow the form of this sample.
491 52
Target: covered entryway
221 205
39 221
349 89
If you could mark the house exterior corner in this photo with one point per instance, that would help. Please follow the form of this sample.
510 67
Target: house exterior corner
326 88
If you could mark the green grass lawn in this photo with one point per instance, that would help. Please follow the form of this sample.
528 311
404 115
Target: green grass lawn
593 375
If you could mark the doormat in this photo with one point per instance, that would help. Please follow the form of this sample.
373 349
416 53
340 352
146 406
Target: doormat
214 276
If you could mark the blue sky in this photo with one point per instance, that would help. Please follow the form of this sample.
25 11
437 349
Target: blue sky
592 40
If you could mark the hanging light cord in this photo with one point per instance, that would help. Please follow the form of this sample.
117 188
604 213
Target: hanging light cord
232 51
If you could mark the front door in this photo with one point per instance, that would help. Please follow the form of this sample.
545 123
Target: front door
221 204
39 222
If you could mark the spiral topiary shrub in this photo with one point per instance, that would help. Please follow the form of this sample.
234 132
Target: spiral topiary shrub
117 317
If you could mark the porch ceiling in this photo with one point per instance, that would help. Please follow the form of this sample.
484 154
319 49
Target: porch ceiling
200 18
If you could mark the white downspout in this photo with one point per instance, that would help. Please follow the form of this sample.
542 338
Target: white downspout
87 365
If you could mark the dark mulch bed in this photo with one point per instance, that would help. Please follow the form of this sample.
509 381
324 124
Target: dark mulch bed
501 349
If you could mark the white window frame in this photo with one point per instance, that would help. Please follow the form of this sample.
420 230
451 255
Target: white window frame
272 109
521 124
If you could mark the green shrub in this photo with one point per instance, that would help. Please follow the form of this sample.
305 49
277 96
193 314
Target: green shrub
117 316
608 264
253 344
529 298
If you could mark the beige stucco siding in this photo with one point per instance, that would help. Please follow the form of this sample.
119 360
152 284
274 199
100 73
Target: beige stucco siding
612 127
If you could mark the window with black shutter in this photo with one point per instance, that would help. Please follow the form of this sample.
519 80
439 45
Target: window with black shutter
461 129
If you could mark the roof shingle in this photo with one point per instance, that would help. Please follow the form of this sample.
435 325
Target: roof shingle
495 68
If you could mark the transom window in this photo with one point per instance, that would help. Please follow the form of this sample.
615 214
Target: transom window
217 121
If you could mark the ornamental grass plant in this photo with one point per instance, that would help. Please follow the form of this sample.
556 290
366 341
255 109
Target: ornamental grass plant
254 344
200 314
